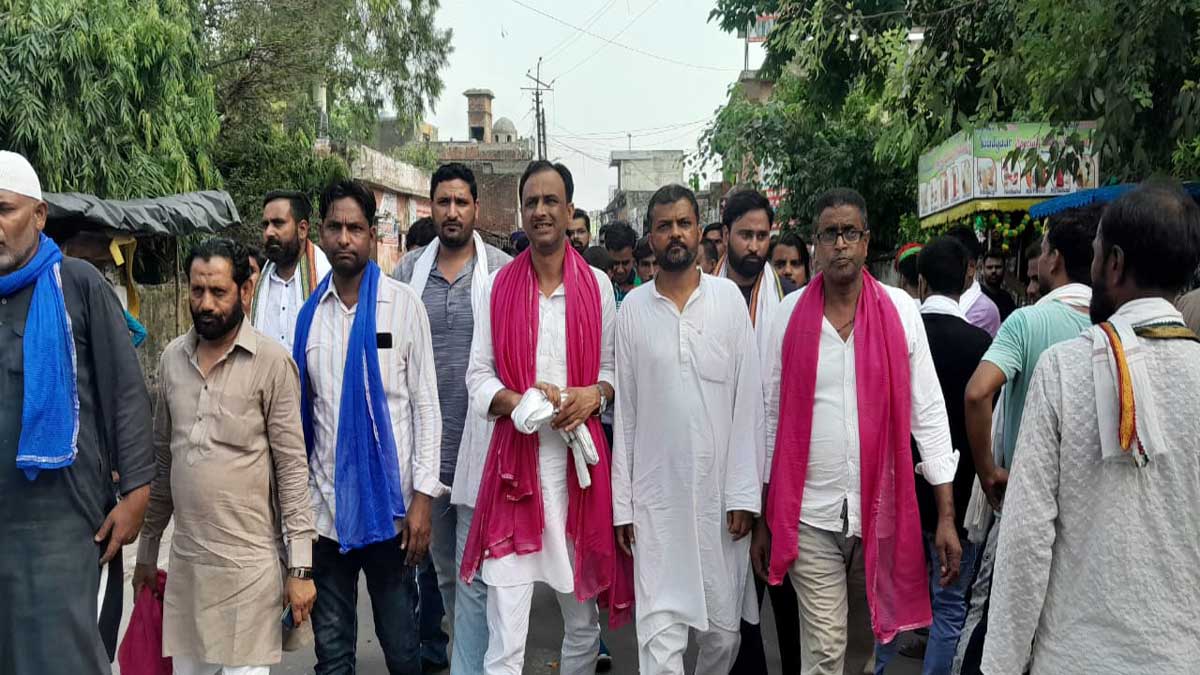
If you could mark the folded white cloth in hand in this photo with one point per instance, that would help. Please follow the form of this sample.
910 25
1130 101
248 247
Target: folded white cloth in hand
579 440
532 412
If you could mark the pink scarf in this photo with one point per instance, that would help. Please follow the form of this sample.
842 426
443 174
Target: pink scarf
509 515
897 583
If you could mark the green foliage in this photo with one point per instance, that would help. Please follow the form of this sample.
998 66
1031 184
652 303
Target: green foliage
275 154
803 149
421 155
107 97
1131 65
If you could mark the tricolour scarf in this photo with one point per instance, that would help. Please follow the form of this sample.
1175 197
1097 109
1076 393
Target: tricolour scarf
367 487
509 516
50 408
897 583
306 267
1125 406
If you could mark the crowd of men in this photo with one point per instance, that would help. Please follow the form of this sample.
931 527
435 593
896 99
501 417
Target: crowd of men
667 428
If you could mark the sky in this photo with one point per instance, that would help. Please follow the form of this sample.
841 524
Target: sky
601 91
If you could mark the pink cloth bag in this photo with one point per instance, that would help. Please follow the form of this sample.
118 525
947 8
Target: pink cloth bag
141 649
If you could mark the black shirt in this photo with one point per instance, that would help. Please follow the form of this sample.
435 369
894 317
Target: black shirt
1003 299
956 347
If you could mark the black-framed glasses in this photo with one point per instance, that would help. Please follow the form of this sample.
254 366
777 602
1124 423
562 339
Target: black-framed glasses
851 234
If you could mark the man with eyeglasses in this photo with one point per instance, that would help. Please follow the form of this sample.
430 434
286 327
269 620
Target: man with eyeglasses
842 522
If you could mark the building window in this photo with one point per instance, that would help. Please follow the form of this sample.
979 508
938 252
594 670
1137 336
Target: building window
477 134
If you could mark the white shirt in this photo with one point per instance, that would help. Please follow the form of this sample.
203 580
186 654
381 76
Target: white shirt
284 299
834 455
552 564
409 378
1096 562
688 442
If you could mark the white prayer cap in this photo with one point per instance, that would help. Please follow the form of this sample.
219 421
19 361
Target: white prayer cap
17 175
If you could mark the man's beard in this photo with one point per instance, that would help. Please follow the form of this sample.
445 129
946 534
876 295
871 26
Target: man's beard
1102 306
677 257
282 253
212 326
456 240
11 261
579 246
748 267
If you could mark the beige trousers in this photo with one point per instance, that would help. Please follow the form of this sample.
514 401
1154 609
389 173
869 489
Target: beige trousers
835 622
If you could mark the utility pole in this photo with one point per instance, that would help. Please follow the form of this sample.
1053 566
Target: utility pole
539 111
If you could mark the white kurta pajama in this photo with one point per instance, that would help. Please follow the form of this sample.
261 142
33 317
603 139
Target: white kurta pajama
688 439
510 579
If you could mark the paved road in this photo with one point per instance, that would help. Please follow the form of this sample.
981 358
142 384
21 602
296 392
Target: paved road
542 649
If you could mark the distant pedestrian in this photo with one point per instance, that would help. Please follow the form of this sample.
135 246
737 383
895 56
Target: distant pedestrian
718 234
790 259
294 265
579 232
905 265
979 308
73 410
232 474
598 257
645 261
419 234
621 241
1033 288
1099 540
994 267
372 424
708 257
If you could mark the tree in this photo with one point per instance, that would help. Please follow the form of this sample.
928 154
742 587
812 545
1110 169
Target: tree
803 149
1132 66
108 97
270 60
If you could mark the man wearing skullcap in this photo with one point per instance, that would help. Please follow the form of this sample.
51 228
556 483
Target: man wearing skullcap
73 409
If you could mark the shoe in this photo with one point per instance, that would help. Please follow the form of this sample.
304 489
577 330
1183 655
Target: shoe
604 659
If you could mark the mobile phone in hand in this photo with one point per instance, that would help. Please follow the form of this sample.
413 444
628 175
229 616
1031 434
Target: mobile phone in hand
289 621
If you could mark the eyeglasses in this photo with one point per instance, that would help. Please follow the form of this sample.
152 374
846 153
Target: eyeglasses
830 237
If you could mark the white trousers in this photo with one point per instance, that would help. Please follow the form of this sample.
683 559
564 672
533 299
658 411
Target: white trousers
508 627
662 653
184 665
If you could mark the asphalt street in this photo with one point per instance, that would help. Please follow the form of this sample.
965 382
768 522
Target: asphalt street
542 649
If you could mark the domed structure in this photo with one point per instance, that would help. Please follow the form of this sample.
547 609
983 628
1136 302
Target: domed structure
504 131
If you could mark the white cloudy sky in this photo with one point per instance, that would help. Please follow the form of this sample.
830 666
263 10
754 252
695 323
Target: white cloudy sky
601 91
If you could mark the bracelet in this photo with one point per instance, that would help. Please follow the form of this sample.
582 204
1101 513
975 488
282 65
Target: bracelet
305 573
603 400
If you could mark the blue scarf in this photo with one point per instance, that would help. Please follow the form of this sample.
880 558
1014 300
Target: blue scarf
50 409
367 484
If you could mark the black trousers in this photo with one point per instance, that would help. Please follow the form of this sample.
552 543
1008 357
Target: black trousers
752 657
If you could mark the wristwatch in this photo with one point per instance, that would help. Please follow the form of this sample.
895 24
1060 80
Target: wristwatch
300 573
603 400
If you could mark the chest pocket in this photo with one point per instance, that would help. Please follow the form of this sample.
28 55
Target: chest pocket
13 360
713 361
237 420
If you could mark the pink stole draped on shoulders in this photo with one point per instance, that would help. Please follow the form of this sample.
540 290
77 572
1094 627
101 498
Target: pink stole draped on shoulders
897 582
509 516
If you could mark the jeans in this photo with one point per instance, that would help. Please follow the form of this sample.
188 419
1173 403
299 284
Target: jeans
469 607
392 586
949 612
429 613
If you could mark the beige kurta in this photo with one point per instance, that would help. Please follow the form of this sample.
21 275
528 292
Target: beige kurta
231 466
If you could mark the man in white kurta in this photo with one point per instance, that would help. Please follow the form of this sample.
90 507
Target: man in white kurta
510 579
1100 543
688 450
